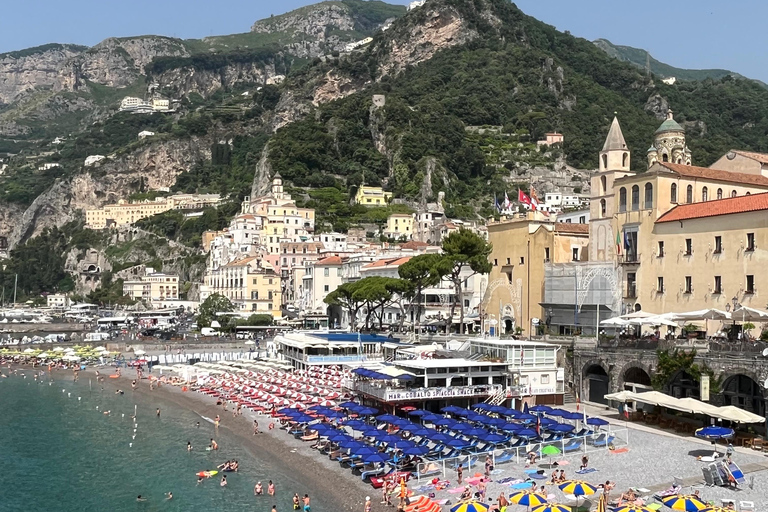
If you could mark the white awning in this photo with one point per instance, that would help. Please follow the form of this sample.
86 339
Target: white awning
689 405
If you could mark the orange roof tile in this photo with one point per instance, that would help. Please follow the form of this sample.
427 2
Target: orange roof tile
414 244
386 262
330 260
570 227
241 263
730 205
760 157
690 171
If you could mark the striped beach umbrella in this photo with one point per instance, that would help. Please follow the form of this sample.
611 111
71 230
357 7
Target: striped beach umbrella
577 488
552 507
633 508
686 503
717 509
422 504
528 499
470 506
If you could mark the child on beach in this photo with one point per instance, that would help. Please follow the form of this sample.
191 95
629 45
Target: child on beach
368 504
584 463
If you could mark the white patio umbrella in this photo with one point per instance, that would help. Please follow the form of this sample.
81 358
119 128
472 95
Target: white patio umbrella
702 314
42 355
29 350
745 313
615 322
139 352
58 349
249 342
638 314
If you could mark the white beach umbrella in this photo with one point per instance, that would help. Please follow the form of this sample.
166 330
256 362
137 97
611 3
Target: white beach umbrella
69 349
100 349
615 321
58 349
249 342
42 355
29 350
139 352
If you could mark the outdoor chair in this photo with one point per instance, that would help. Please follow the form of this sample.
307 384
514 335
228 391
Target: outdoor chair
747 506
573 446
757 444
505 457
708 479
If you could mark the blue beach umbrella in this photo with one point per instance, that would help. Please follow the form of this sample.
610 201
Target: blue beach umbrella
545 422
375 457
348 405
387 418
527 433
482 406
508 412
493 438
573 416
431 417
401 422
457 443
401 444
539 409
498 409
440 437
714 433
338 437
416 450
526 417
418 412
473 416
367 411
460 427
411 427
422 432
557 412
598 422
476 432
453 409
321 428
364 451
466 413
351 444
444 422
510 427
561 427
390 439
496 422
374 433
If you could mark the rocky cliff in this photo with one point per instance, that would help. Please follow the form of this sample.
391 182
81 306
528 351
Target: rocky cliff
183 81
157 164
37 68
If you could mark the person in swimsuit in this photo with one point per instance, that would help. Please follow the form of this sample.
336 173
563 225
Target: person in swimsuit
140 498
158 412
368 504
271 488
223 481
169 496
459 473
274 508
296 501
189 446
258 490
307 508
199 480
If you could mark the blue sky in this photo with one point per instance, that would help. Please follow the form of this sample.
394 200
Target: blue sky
685 33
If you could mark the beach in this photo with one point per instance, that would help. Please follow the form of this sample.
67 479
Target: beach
646 458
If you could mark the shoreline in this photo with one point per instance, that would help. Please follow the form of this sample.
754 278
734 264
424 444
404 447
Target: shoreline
326 481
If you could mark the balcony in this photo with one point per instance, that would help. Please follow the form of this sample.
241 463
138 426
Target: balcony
631 292
629 258
400 394
338 359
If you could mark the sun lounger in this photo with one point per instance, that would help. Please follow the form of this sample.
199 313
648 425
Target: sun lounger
736 473
430 469
505 457
366 475
709 481
573 446
603 440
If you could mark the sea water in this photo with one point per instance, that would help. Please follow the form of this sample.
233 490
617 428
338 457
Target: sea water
59 452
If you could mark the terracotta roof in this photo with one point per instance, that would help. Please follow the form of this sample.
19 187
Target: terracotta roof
570 227
690 171
386 262
241 263
740 204
760 157
414 244
330 260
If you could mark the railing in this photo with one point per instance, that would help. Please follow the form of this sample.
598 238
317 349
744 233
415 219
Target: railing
342 359
473 462
629 258
701 345
393 394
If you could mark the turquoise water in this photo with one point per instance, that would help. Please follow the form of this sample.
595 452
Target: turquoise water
60 453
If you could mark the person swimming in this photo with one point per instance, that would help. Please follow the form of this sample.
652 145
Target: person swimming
271 488
169 496
189 446
141 498
223 481
258 490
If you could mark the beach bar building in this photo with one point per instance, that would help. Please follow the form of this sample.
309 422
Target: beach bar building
303 349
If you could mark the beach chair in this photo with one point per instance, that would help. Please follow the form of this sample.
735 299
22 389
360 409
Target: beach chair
717 476
366 475
605 441
431 469
736 473
505 457
573 446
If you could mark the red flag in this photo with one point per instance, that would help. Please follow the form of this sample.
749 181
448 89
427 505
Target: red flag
523 198
534 199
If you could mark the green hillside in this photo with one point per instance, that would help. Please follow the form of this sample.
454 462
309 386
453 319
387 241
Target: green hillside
640 58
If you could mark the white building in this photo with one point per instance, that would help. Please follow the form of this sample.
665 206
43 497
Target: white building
93 160
321 278
146 133
58 301
574 216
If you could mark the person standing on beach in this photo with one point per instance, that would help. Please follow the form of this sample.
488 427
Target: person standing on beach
255 427
488 466
307 508
368 504
459 473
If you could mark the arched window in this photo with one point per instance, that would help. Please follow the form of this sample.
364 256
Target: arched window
704 194
605 161
635 197
747 194
602 207
603 184
673 193
719 193
733 194
624 159
664 158
679 160
689 194
622 199
648 196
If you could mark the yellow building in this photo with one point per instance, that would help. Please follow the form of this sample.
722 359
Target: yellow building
399 225
156 286
522 245
372 196
252 285
126 213
681 237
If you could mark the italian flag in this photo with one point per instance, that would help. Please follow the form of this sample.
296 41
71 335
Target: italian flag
618 243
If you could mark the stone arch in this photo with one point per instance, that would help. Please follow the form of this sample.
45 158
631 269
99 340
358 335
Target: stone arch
681 384
634 372
743 389
596 381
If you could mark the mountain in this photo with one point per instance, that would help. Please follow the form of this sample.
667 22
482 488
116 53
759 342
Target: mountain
641 58
445 103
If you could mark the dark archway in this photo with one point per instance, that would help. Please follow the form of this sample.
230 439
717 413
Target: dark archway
636 375
508 326
598 383
683 385
742 391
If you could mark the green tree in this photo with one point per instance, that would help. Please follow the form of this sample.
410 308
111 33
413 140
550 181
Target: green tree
377 292
463 249
215 303
257 320
422 272
344 297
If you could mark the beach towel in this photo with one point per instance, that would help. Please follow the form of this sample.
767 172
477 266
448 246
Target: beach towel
534 472
585 471
563 463
474 480
456 490
505 480
619 450
497 471
522 485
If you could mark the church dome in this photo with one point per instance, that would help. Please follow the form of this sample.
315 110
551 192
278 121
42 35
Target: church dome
669 125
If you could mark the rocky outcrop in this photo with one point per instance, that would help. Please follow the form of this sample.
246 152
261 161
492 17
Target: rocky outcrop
658 106
23 72
180 82
156 165
333 86
262 178
288 109
311 21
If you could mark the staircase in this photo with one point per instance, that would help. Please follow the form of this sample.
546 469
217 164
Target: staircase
568 398
498 398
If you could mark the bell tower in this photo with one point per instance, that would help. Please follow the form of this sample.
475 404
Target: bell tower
669 143
277 186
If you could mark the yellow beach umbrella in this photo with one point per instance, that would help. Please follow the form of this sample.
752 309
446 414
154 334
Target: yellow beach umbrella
577 488
686 503
528 498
